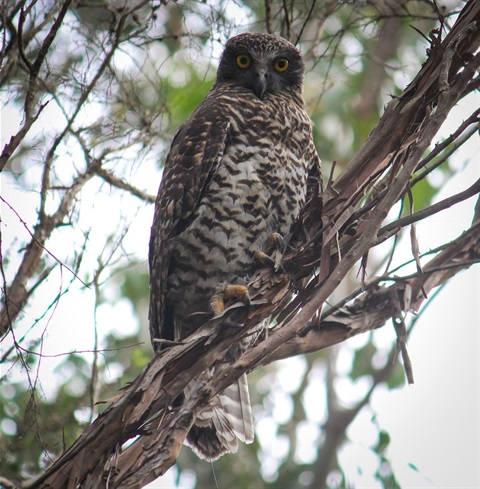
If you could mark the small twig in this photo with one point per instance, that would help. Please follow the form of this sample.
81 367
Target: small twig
78 352
304 25
395 239
15 140
287 19
268 16
34 238
92 385
418 31
34 68
401 332
332 172
453 143
433 209
414 239
41 278
121 184
21 50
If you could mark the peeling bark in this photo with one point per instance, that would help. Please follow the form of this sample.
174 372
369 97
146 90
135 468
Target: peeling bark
347 232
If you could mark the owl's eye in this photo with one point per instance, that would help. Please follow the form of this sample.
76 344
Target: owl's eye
281 65
244 61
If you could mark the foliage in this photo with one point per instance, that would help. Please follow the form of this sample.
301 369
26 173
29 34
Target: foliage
93 94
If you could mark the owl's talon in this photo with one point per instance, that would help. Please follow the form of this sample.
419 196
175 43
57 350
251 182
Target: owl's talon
263 259
275 243
272 256
232 324
229 292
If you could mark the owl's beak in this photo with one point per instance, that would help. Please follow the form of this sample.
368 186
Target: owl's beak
261 82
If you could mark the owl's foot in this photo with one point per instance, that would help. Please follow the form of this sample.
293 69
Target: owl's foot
228 293
273 252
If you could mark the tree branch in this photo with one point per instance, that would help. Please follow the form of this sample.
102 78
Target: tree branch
397 144
121 184
16 294
144 408
34 69
433 209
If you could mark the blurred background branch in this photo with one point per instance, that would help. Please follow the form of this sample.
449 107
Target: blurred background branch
92 93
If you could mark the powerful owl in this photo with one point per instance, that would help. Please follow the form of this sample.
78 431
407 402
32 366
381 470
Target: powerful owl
235 176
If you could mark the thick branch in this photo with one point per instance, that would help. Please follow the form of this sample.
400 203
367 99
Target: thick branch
398 144
378 303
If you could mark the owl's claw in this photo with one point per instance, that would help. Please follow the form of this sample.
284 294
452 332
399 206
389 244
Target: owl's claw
273 252
229 292
232 324
263 259
275 243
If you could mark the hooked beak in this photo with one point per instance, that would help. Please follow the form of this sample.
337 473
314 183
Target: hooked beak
262 82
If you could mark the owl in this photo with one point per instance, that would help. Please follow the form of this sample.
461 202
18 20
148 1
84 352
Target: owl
235 176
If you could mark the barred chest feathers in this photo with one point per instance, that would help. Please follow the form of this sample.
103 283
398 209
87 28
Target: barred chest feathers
258 188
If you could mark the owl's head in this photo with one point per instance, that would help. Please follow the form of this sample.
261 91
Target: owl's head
262 63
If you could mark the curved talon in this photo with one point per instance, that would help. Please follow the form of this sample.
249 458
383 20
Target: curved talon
272 256
264 259
275 243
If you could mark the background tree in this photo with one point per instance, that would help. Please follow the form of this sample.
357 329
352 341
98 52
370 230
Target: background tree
92 93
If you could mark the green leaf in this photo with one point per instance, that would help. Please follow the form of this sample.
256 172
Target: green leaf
383 442
362 361
397 378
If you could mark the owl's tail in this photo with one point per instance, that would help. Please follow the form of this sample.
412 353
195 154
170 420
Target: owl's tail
227 419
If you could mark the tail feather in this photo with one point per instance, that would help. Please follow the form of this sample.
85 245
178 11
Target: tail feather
227 419
235 402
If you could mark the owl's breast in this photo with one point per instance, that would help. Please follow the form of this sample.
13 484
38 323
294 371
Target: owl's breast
258 188
267 149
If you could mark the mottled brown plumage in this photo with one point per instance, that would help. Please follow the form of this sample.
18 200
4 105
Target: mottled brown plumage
236 173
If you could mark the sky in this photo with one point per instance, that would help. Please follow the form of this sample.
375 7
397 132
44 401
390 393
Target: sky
434 424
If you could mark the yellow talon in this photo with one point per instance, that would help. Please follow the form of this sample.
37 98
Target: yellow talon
264 259
274 243
274 249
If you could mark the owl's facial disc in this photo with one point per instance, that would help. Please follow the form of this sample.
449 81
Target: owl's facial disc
262 71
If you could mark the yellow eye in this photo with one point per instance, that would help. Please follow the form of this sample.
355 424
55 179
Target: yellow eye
243 61
281 65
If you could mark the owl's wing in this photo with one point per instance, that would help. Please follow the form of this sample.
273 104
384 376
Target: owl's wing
196 151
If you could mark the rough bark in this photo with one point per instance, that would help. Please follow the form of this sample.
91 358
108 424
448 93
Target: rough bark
391 155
